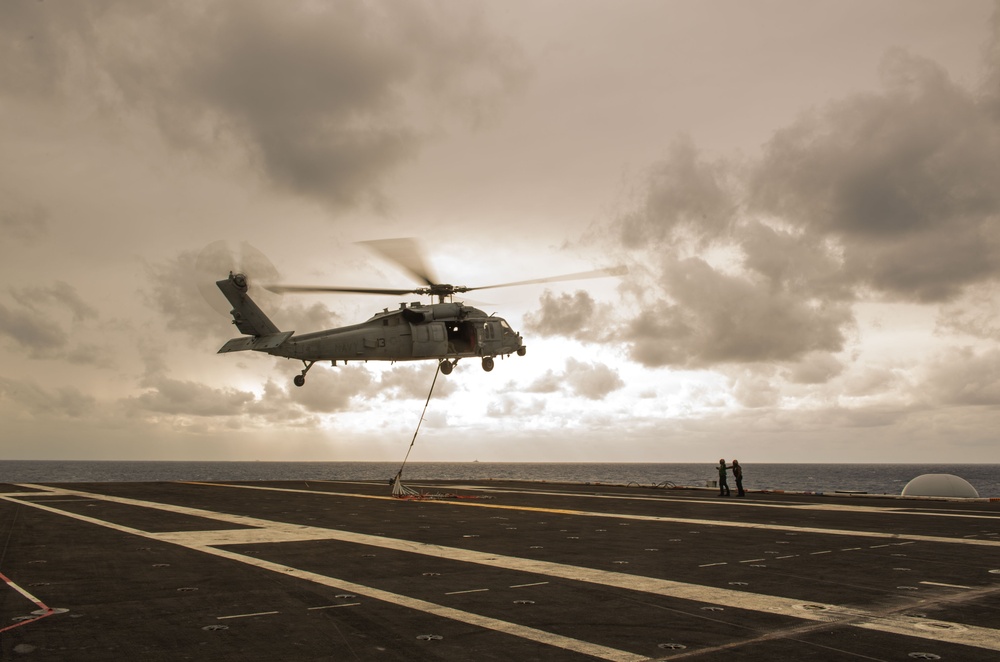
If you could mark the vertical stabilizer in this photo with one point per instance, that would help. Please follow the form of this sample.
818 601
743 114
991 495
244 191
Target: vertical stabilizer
247 316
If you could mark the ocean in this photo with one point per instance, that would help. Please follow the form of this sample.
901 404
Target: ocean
868 478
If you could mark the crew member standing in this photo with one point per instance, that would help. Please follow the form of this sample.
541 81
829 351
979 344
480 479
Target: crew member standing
723 484
738 475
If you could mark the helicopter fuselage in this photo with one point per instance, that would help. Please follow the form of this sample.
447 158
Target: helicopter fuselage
445 332
412 332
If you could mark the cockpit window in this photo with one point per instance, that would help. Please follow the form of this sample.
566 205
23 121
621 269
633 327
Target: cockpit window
504 324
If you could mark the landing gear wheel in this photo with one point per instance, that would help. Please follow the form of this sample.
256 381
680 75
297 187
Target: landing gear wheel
300 378
446 367
487 363
522 350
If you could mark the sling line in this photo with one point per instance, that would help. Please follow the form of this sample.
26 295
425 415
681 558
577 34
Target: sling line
399 490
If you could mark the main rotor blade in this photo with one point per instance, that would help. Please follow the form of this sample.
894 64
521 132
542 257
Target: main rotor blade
322 288
406 253
597 273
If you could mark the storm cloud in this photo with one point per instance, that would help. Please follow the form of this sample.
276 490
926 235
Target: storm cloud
887 195
324 99
903 181
574 315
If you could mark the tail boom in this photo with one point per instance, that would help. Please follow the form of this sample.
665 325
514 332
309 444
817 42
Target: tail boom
256 343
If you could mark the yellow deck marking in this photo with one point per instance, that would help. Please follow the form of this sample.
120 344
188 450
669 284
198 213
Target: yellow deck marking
648 518
898 510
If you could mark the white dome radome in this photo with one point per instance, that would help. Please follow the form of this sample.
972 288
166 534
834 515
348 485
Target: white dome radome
940 485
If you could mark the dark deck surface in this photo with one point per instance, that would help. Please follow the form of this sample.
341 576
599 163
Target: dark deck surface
519 571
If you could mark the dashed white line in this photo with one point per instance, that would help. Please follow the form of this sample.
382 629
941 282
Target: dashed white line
471 590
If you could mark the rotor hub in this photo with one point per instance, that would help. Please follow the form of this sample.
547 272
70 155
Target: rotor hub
441 290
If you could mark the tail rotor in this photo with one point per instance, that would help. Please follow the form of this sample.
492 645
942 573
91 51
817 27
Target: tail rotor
220 258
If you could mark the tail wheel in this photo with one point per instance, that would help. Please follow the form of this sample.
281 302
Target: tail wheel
487 363
299 380
446 367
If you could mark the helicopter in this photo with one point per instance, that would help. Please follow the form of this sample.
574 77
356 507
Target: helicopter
446 331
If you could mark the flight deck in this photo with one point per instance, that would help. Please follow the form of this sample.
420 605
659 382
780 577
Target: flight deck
491 570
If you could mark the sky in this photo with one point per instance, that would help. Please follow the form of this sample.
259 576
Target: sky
804 193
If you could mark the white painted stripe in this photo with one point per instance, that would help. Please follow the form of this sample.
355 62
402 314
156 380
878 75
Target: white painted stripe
526 585
29 494
38 603
259 613
61 500
969 635
709 565
471 590
946 585
346 604
44 611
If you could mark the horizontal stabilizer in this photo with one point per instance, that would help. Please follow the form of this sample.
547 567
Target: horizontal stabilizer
258 343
